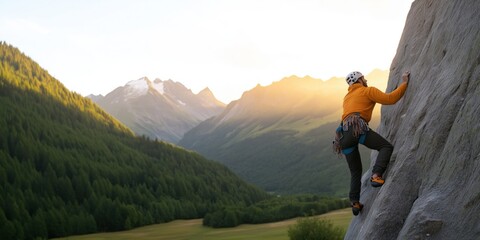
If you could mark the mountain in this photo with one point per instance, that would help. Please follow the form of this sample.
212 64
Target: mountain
67 167
162 110
95 98
432 188
278 137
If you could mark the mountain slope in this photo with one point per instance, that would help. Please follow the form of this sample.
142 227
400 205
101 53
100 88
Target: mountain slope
160 109
432 188
279 136
67 167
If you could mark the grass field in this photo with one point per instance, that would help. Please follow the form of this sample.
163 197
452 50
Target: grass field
194 230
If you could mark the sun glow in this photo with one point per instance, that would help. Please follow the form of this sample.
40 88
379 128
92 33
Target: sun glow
228 46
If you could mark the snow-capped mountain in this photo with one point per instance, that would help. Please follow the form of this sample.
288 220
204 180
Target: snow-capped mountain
159 109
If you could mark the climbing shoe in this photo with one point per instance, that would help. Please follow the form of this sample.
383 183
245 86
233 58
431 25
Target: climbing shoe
377 181
356 208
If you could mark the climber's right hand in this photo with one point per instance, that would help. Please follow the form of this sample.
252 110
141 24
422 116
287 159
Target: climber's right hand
406 76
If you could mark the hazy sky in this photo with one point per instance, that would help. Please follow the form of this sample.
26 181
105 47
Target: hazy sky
94 46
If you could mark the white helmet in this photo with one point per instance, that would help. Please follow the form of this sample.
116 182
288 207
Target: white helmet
353 77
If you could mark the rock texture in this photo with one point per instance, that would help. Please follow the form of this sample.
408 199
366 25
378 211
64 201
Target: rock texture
432 188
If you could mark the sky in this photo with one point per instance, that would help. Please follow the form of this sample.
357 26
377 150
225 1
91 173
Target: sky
229 46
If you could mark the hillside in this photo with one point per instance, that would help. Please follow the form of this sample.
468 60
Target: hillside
67 167
162 110
432 188
278 137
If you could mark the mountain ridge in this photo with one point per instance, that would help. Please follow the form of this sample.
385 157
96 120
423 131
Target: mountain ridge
159 109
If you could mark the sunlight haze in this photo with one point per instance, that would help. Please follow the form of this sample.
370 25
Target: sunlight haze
92 47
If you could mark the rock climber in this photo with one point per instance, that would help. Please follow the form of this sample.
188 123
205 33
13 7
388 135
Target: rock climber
358 105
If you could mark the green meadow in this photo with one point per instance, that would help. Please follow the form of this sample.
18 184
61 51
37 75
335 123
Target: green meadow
194 230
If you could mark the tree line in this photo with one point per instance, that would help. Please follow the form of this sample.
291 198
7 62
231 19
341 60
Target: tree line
273 210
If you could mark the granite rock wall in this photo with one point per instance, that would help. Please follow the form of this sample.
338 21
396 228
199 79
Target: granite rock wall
432 188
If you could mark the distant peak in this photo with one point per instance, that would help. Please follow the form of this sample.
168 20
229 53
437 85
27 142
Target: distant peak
94 95
308 77
143 79
137 87
170 81
295 80
137 82
295 77
206 92
159 86
378 70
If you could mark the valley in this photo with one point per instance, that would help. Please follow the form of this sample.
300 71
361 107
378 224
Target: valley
69 168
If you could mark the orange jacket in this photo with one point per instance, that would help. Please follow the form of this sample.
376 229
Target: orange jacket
362 99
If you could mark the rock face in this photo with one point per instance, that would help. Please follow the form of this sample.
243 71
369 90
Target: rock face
432 188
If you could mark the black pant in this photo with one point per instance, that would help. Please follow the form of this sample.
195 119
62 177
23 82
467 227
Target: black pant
373 141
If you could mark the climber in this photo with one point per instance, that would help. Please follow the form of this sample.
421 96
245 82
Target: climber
358 105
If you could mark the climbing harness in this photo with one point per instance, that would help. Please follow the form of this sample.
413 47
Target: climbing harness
359 128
